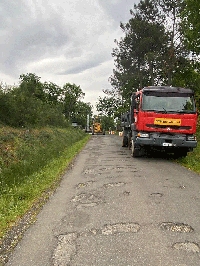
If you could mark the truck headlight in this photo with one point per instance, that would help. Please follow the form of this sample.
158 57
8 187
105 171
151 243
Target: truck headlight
143 135
191 137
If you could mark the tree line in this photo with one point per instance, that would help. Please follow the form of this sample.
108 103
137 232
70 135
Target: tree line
37 104
160 46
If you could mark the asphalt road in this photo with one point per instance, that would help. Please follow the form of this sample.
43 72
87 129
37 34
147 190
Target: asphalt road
112 209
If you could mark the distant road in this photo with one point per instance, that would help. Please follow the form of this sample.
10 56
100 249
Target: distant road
112 209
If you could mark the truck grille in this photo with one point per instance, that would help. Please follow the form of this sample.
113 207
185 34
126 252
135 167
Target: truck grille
167 126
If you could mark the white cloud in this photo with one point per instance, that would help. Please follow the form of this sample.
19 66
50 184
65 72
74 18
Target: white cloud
61 41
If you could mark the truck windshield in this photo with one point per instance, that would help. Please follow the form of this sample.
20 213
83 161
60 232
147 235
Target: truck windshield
169 103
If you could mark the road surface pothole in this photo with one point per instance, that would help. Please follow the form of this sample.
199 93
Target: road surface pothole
87 200
67 247
126 193
89 171
109 168
111 176
65 250
86 205
156 195
133 171
177 227
117 184
113 229
122 153
86 184
120 228
187 246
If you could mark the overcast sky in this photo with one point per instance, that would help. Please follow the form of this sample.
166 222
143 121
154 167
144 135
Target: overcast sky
61 41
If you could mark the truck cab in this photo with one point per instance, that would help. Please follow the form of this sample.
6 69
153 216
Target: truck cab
164 118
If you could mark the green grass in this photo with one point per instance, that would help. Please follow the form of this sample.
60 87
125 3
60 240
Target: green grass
32 162
192 161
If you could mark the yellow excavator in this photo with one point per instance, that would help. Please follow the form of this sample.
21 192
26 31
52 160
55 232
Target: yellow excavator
97 127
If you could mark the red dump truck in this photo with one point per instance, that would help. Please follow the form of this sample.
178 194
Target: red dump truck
161 118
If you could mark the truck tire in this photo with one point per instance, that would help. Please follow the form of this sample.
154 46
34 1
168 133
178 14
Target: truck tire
125 141
129 141
135 152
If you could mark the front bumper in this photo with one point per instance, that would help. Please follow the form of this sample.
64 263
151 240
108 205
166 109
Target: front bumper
166 140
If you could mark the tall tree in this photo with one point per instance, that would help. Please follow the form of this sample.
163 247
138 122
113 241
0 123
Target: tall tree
137 56
34 103
151 51
71 95
191 24
110 105
31 85
175 47
81 112
53 92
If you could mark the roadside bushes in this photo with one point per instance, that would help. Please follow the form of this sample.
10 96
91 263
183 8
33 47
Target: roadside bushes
31 161
23 152
20 109
37 104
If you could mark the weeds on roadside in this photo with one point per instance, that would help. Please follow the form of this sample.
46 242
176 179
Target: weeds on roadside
192 161
30 162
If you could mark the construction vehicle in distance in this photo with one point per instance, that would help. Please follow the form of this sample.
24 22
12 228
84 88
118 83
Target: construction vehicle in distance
97 127
161 118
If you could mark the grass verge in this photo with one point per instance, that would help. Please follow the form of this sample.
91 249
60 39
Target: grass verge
32 162
192 161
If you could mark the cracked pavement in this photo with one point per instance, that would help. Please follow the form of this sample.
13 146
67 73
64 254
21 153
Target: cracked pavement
112 209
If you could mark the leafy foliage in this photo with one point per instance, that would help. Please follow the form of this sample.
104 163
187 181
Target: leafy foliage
139 53
34 104
72 93
108 105
108 122
191 24
79 116
53 92
152 52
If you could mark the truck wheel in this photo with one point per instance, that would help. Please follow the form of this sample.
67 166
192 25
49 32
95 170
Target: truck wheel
129 141
134 152
125 141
